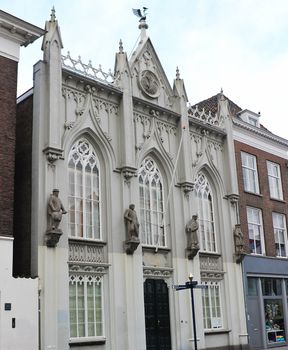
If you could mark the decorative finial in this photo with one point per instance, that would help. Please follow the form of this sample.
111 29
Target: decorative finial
120 46
177 73
141 15
221 91
53 16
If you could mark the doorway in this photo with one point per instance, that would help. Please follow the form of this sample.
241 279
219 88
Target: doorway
157 317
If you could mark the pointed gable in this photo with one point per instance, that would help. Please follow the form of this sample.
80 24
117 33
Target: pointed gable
149 81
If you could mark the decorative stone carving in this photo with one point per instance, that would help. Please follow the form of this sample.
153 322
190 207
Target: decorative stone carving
55 212
132 230
86 253
239 243
149 83
192 237
157 272
53 154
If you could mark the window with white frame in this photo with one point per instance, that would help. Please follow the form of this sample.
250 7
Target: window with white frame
280 234
274 178
205 213
255 229
250 174
86 306
151 204
84 192
211 305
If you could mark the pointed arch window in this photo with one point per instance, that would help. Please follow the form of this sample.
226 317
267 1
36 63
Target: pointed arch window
151 204
84 192
205 211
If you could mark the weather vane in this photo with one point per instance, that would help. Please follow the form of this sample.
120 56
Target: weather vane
140 14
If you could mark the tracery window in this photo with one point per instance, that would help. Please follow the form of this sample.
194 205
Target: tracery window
205 212
86 306
84 192
151 204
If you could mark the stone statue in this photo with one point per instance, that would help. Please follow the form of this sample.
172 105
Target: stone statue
239 240
131 223
55 210
192 233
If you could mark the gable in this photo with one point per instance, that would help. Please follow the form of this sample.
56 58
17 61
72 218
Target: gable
149 81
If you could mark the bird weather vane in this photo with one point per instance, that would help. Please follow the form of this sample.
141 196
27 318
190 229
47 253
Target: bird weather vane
140 14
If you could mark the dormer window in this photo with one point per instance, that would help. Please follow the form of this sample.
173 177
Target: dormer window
250 117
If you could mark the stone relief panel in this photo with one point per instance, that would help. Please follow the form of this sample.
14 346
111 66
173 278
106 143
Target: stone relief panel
86 253
211 267
76 103
145 126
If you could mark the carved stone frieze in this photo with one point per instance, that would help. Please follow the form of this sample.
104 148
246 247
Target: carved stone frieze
80 269
157 272
211 263
86 253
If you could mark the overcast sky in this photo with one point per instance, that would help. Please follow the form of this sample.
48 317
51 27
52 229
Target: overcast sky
240 46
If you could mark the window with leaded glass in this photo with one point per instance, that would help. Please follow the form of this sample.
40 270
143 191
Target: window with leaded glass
250 174
211 304
86 306
280 234
204 202
151 204
84 192
274 177
255 228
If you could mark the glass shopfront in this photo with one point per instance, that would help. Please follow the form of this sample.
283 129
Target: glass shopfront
268 298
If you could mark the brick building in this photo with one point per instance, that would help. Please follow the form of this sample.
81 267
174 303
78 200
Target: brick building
18 319
261 159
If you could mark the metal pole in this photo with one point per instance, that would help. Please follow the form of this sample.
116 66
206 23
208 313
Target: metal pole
193 317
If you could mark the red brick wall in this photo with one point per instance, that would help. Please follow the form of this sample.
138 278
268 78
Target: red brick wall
23 169
8 91
263 200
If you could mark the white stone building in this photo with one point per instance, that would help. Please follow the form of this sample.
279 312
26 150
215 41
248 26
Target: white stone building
107 141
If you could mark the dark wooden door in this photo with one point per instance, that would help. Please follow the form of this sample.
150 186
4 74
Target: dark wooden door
157 318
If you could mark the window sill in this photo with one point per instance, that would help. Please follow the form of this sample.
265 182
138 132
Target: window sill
254 193
155 249
87 341
278 200
216 331
205 253
86 240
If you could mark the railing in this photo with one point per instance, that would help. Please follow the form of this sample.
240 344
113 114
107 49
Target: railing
87 70
204 116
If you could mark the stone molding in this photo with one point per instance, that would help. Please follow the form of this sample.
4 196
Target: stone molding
84 252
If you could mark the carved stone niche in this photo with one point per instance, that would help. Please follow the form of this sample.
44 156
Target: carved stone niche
52 237
131 245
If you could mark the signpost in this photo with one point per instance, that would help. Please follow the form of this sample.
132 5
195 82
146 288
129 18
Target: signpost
191 285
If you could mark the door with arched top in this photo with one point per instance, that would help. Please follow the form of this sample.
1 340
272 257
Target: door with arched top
157 317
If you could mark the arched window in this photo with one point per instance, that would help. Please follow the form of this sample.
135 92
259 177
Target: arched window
151 204
84 193
205 212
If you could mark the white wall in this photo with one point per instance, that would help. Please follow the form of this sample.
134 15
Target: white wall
22 294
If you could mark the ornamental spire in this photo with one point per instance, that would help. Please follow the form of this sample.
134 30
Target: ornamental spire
52 16
120 46
177 73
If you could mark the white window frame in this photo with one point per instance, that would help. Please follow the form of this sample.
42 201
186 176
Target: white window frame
255 228
250 173
152 218
212 313
280 234
98 316
206 214
274 179
84 192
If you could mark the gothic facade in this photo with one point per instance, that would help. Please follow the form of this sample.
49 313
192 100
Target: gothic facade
133 163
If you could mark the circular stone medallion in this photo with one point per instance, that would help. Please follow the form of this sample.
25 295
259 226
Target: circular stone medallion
149 83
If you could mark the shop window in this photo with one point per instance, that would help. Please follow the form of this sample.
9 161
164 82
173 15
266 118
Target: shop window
274 320
252 286
271 287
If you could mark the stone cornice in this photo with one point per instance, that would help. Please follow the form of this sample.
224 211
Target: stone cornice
258 131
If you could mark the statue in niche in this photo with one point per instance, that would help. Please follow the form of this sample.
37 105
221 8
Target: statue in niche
55 211
132 229
192 237
239 243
